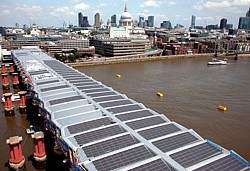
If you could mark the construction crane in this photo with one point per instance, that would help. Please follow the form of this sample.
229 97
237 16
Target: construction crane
61 21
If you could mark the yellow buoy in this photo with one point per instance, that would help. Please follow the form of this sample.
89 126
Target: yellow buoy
222 108
160 94
118 75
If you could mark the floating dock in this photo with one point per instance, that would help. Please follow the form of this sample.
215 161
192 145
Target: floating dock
101 129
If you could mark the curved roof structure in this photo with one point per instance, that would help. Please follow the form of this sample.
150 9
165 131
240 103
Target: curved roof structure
109 131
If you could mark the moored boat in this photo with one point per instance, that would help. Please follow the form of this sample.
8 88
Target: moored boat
215 61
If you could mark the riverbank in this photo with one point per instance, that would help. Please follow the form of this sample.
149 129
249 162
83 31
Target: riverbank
116 60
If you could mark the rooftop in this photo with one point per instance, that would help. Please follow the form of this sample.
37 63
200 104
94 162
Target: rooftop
110 131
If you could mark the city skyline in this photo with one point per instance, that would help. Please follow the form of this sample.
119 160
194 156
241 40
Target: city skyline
55 13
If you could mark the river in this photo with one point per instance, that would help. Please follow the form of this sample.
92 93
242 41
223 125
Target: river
192 91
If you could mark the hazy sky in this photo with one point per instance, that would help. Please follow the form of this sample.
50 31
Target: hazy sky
54 12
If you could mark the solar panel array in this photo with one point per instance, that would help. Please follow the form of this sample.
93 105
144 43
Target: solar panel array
124 109
146 122
174 142
194 155
98 134
109 98
134 115
123 158
47 82
54 88
80 127
113 131
159 131
115 103
156 165
66 99
228 163
109 145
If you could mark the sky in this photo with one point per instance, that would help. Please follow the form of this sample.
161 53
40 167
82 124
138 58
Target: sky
46 13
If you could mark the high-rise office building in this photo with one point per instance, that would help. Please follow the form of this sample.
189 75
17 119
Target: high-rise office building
97 20
248 13
229 26
150 21
166 24
223 24
113 21
83 20
193 21
80 19
244 22
141 22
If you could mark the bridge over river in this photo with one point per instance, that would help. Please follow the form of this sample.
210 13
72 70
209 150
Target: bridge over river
101 129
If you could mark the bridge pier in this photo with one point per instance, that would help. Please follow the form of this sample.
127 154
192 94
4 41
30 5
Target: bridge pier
3 68
12 68
39 154
22 104
15 80
8 106
5 81
17 160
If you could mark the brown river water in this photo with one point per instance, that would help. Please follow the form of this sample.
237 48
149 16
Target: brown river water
192 91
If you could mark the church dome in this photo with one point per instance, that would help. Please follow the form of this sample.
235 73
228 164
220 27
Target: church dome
125 14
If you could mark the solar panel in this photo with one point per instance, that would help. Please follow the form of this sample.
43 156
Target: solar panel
84 83
194 155
89 87
63 100
124 109
47 82
159 131
228 163
109 145
108 93
156 165
88 125
98 134
109 98
115 103
54 88
123 158
134 115
174 142
81 80
96 90
38 72
146 122
76 78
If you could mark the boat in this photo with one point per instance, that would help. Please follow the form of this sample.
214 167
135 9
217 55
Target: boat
215 61
14 98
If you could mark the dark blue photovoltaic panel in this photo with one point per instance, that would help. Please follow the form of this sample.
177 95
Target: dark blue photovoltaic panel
54 88
159 131
66 99
228 163
174 142
115 103
194 155
124 158
146 122
80 127
98 134
109 145
134 115
124 109
156 165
